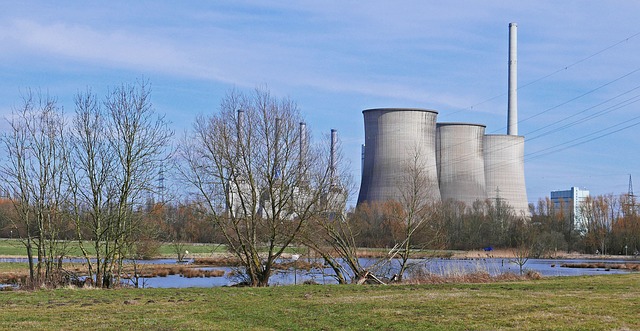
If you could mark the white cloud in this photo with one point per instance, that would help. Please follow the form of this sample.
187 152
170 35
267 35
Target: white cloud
435 54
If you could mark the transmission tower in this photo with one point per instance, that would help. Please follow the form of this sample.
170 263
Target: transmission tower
161 183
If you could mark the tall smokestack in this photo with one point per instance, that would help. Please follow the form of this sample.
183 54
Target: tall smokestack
334 143
276 147
240 142
303 143
240 125
512 111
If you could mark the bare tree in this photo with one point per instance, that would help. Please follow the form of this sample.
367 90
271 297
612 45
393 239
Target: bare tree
34 176
335 241
252 177
599 213
91 174
417 207
117 147
332 235
524 241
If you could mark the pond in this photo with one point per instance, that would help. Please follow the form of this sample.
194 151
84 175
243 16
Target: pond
443 267
437 266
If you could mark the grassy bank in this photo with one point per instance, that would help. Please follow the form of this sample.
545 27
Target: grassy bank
569 303
13 247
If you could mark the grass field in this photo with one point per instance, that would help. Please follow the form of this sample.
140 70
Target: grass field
609 302
13 247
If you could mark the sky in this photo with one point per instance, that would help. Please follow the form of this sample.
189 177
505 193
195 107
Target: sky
578 68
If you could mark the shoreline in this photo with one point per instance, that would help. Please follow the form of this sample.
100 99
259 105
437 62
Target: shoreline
366 253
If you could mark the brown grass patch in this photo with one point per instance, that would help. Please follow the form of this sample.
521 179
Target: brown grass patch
478 277
218 261
14 278
185 271
199 273
604 265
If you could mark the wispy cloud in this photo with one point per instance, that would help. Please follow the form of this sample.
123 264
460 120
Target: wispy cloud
447 55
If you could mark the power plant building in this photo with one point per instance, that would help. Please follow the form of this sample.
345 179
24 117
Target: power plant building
570 203
393 137
504 171
460 160
465 163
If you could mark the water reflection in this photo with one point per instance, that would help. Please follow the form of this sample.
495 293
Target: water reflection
440 267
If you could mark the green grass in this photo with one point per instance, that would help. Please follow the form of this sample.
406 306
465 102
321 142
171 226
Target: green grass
14 247
562 303
13 266
168 249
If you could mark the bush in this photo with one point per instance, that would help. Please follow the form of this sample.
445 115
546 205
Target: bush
147 249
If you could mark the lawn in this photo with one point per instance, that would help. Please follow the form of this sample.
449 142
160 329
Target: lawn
562 303
14 247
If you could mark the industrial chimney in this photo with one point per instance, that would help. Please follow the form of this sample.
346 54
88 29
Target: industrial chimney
276 147
333 160
303 144
512 110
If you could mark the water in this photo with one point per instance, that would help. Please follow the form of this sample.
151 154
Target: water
443 267
178 281
496 266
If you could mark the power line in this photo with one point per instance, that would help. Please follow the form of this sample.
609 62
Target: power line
565 68
585 136
581 95
603 112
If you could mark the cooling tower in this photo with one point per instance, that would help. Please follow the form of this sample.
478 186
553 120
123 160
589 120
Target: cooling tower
504 171
460 162
393 136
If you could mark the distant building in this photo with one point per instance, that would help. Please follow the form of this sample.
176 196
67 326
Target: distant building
569 202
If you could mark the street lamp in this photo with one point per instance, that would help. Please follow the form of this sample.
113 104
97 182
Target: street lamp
625 249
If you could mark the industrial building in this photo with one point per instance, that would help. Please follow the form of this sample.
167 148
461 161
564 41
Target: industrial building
461 162
289 197
460 159
392 138
570 203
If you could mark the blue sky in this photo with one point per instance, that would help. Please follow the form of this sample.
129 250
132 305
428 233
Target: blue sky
336 58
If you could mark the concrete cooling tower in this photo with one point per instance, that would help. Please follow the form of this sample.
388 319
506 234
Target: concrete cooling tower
464 163
460 161
504 171
393 136
504 154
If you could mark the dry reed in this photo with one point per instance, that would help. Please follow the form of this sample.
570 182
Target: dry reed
603 265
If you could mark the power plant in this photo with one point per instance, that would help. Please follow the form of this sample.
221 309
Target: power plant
460 161
392 138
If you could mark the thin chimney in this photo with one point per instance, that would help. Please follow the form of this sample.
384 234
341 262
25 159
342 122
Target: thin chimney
239 143
276 160
240 126
512 111
334 143
303 143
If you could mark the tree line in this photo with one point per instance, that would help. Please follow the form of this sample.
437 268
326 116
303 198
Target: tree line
84 174
251 177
